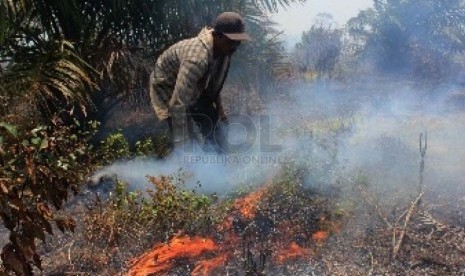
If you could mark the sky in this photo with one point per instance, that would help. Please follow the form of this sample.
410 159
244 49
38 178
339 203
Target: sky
299 17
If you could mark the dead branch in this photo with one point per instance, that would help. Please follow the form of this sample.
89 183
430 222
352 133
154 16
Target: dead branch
373 205
397 244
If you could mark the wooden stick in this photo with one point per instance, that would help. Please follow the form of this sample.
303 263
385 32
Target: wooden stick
371 202
397 245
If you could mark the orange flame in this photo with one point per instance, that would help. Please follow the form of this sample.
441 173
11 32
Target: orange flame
247 205
293 252
319 236
206 267
161 258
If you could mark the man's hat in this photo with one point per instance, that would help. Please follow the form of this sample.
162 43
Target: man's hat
232 25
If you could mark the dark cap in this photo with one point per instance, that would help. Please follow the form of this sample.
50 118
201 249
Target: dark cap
232 25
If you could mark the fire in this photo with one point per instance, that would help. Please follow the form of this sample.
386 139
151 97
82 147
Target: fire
207 257
247 205
293 252
320 236
161 258
206 267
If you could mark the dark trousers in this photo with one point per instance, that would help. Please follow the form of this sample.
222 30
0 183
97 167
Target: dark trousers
205 115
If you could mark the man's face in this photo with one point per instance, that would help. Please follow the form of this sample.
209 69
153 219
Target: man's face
227 46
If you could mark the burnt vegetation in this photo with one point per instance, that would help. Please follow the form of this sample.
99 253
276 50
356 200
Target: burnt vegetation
365 120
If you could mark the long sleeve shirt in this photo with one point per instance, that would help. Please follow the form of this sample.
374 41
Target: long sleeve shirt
183 73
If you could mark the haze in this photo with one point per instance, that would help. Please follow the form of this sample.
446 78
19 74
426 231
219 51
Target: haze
299 17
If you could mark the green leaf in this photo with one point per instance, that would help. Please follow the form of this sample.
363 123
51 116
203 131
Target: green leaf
38 129
44 143
10 128
36 140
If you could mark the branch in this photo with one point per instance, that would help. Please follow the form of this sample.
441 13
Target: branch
397 245
371 202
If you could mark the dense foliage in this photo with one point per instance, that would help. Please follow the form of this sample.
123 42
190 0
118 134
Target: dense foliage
319 49
69 61
108 43
419 38
39 168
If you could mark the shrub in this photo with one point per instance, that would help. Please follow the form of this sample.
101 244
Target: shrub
114 147
39 166
159 146
137 220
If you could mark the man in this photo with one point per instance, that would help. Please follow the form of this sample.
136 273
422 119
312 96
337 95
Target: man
188 77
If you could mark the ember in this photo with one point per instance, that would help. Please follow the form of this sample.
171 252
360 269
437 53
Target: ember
247 233
244 207
206 267
293 252
319 236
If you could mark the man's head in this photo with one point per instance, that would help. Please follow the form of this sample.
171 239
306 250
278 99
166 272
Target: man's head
229 32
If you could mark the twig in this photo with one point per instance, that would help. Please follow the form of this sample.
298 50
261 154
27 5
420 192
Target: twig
398 243
371 202
394 233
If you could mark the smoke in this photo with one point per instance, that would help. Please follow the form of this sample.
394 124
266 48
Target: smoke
379 124
386 136
369 128
204 172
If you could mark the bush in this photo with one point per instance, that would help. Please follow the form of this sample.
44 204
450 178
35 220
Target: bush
137 220
114 147
39 166
159 146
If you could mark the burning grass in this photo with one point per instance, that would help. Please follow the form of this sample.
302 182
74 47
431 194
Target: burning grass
292 252
284 228
292 224
163 256
279 222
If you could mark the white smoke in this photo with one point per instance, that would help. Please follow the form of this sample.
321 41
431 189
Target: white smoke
383 123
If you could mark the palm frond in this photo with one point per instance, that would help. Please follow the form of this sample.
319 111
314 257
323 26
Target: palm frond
50 75
105 32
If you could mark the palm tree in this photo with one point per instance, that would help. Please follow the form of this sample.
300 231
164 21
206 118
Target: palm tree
78 56
106 42
412 35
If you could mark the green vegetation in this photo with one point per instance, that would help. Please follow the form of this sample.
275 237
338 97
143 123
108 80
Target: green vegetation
159 146
114 147
64 65
72 62
137 220
39 168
